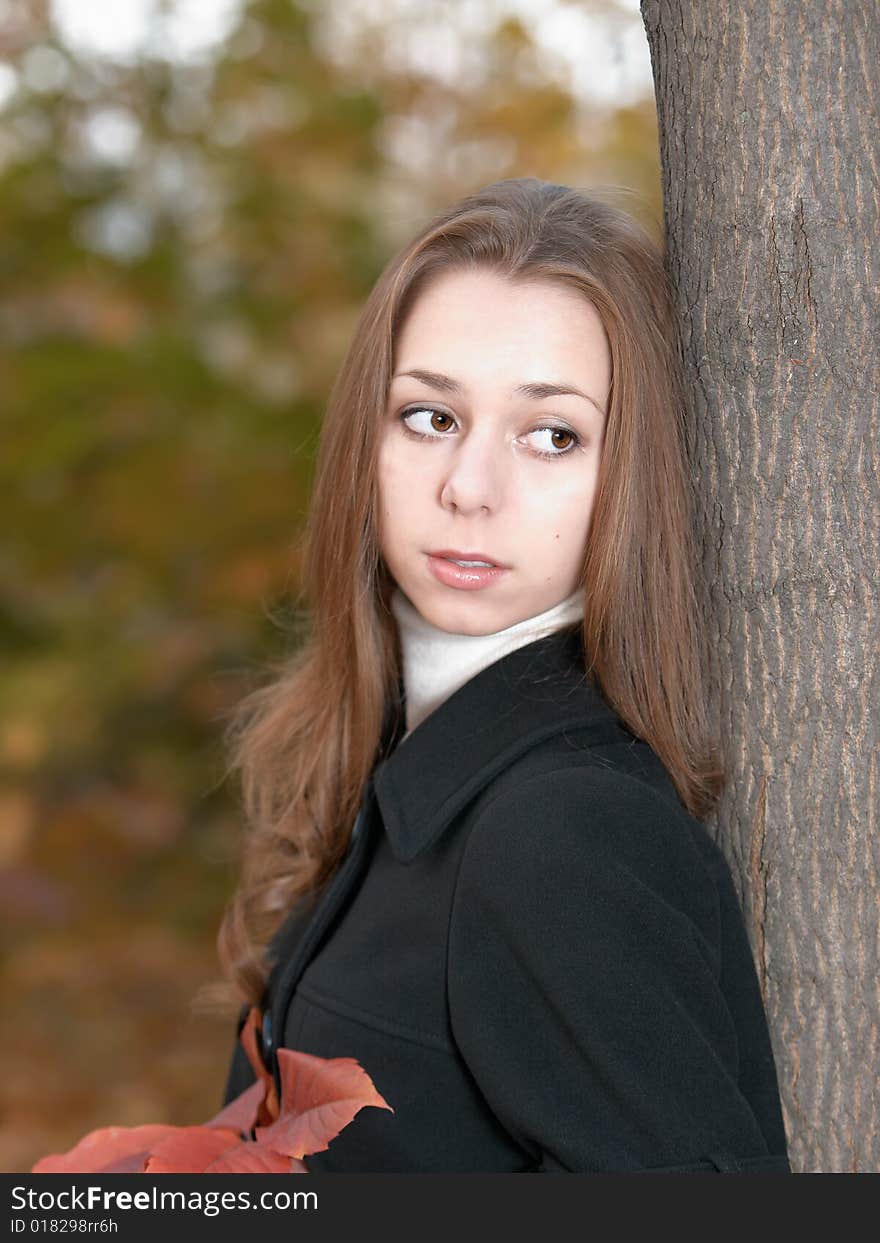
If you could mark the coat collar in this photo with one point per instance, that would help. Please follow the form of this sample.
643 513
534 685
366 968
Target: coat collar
532 693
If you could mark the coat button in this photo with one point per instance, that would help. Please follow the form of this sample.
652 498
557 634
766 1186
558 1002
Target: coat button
266 1040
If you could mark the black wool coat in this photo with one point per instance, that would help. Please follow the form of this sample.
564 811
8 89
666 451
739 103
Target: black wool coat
532 948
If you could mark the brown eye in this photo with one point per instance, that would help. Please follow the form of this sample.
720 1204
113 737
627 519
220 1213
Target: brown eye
426 426
556 450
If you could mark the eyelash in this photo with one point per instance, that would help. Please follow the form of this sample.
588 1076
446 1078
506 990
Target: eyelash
546 427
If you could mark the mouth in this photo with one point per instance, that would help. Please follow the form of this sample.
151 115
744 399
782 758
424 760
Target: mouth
464 573
468 560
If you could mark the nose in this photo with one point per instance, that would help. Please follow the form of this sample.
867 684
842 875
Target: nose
473 474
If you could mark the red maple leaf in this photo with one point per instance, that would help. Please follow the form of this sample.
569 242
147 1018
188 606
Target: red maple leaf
254 1134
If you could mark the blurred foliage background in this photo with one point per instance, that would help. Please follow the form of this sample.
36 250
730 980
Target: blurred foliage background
195 199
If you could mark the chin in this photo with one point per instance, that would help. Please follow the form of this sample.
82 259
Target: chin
466 616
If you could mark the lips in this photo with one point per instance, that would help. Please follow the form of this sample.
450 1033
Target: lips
454 554
446 570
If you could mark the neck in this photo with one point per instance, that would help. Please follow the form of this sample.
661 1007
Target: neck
436 663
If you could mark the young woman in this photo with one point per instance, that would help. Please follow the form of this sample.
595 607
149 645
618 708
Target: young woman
475 792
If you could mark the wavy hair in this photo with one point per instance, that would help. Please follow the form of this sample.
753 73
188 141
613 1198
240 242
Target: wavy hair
306 741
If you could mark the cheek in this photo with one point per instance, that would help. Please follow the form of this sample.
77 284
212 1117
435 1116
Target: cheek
395 496
559 518
563 502
401 475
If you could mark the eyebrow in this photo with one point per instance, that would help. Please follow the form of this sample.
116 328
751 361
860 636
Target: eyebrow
536 390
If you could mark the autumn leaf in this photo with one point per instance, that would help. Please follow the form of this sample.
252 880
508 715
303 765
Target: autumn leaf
106 1148
255 1158
191 1150
253 1134
320 1096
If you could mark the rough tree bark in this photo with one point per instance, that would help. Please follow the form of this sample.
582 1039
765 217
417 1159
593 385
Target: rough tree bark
768 124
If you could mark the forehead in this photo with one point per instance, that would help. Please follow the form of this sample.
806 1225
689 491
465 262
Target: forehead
479 323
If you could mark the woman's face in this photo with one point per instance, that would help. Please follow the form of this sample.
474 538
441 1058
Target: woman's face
468 464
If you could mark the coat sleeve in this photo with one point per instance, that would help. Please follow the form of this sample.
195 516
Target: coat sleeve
584 980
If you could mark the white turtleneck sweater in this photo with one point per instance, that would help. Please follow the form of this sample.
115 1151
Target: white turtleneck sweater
436 663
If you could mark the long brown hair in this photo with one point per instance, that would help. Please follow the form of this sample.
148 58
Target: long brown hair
306 741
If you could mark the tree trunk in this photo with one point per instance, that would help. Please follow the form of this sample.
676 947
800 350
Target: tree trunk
768 125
